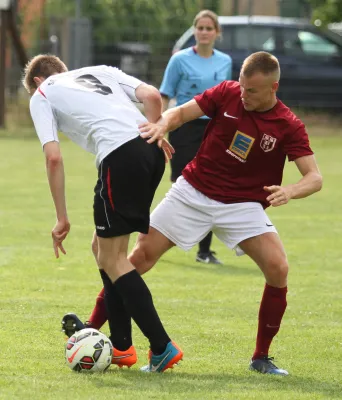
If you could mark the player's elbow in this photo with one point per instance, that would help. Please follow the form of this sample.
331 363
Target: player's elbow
318 181
52 153
53 160
154 98
148 93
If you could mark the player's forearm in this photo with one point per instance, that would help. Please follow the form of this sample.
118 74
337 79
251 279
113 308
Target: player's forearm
55 173
309 184
153 110
165 101
172 119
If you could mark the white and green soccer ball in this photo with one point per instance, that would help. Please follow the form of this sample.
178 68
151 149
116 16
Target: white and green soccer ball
88 350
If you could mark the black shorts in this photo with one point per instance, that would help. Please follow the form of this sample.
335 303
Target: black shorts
186 140
127 180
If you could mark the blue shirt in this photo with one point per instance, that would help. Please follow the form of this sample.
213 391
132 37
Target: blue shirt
188 74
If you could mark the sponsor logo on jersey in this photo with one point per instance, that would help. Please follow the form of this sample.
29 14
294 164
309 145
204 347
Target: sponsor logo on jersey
101 228
267 142
241 145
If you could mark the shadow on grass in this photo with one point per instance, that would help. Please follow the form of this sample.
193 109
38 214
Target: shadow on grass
225 269
219 383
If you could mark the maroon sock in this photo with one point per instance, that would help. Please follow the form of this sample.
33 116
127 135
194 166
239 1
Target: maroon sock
272 309
99 315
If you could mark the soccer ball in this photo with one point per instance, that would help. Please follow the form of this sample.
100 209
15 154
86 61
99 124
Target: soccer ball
88 350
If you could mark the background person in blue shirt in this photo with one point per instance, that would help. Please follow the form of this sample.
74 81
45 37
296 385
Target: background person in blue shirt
190 72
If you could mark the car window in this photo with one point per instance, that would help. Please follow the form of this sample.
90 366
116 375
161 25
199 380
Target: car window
189 43
309 43
225 41
254 38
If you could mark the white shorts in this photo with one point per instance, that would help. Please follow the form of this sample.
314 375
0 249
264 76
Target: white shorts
186 216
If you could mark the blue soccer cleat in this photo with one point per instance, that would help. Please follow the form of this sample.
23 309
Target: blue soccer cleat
265 365
161 362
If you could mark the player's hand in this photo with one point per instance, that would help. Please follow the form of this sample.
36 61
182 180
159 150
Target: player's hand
279 195
167 149
153 132
59 233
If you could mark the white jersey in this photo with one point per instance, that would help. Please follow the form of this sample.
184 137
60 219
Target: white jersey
93 106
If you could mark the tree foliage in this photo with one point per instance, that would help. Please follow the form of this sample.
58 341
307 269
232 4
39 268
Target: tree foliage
157 23
134 20
327 10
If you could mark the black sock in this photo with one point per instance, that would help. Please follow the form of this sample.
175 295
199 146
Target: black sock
119 320
204 244
138 301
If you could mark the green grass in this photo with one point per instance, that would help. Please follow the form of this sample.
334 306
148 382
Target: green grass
211 311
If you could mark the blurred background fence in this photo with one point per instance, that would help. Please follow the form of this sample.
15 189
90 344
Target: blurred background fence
135 35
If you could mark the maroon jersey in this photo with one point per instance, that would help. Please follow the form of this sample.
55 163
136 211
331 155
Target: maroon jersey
243 151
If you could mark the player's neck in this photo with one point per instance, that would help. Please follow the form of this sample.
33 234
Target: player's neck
204 51
268 106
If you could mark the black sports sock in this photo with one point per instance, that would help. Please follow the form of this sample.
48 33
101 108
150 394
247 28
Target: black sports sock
138 301
119 320
204 244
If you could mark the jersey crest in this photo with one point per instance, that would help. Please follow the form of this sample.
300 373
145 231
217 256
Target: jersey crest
267 142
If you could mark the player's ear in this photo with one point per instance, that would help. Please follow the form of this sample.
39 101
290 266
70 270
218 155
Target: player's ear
38 80
275 86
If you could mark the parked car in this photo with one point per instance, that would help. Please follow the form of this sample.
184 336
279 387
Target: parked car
310 57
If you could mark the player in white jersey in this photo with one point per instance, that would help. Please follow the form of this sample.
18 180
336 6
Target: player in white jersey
94 107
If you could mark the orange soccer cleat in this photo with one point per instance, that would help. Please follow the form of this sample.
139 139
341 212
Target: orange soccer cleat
125 358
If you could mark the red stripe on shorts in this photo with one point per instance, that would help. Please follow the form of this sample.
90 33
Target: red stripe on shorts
109 189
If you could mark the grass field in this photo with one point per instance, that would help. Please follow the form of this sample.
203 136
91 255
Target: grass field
211 311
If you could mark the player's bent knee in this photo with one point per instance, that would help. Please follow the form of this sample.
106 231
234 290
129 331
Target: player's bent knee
148 249
141 259
276 273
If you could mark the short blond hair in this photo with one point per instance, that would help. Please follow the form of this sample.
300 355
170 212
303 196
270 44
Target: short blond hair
262 62
208 14
42 65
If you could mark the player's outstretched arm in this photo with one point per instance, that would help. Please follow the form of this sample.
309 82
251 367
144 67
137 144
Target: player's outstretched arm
55 174
170 120
310 183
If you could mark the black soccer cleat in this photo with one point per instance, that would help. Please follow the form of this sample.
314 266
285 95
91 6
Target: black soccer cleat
265 365
208 258
71 324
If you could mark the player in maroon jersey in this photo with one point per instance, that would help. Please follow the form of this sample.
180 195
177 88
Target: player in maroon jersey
235 175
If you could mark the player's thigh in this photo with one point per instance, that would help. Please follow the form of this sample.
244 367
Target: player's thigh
236 222
95 246
148 249
268 253
111 248
112 256
128 178
180 218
